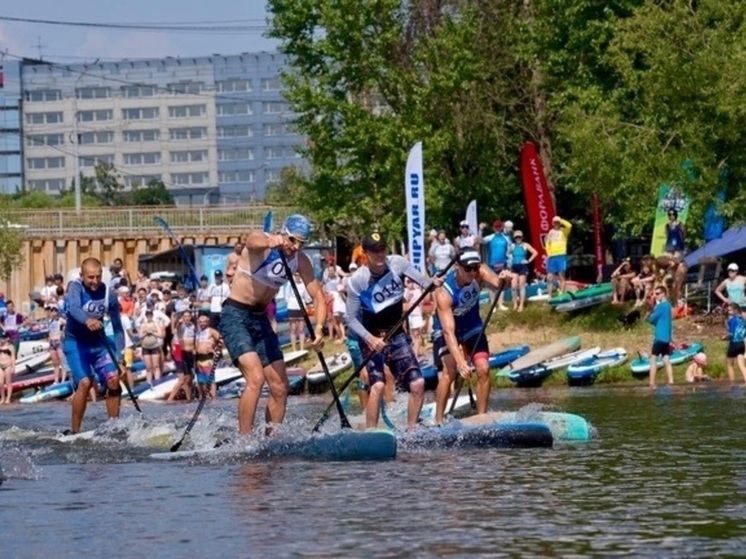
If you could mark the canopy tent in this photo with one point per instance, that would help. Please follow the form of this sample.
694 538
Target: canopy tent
733 239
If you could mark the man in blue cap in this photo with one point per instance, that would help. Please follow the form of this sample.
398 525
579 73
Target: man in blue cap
245 327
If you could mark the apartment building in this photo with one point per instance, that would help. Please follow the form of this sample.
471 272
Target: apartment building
10 127
214 129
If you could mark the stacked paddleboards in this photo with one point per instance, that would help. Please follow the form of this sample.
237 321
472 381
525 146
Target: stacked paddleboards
585 371
534 367
582 298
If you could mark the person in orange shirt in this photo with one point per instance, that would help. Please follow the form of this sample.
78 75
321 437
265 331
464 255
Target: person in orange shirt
358 256
126 302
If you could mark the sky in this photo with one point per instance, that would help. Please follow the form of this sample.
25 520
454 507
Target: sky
62 43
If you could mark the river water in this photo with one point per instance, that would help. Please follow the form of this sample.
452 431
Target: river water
663 476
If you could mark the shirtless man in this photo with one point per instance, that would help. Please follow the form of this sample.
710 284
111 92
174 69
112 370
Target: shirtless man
232 261
245 327
206 341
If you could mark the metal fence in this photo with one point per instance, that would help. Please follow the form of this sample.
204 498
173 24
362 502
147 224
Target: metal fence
139 220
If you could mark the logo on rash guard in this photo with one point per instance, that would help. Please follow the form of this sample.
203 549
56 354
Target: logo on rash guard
467 298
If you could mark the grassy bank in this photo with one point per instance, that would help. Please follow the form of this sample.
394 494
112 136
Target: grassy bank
538 325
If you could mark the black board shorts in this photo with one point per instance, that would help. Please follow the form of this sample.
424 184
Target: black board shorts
735 349
661 348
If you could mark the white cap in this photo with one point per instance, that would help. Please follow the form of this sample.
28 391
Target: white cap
518 233
508 224
464 223
733 266
353 266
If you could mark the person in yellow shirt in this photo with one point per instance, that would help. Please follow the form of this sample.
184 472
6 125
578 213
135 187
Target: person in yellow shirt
556 248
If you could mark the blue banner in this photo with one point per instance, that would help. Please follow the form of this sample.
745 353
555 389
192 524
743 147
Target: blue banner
714 222
213 262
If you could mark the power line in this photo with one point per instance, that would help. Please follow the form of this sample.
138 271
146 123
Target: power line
200 28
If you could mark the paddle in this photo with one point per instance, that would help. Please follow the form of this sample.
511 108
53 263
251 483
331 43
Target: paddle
342 416
194 278
215 358
122 374
386 338
460 379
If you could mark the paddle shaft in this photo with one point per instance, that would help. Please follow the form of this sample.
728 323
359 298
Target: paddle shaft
122 374
342 416
386 338
203 398
460 379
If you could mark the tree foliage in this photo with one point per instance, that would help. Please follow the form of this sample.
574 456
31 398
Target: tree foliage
618 93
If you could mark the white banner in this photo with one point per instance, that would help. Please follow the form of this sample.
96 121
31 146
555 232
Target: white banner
471 217
414 188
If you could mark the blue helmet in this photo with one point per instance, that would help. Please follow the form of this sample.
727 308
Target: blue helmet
298 226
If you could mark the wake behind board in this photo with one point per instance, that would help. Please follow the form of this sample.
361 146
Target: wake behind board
345 445
457 435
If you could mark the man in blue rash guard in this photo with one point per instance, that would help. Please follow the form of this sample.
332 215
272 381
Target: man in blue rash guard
249 338
375 303
88 300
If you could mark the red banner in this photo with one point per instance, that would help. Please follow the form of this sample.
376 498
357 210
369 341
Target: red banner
598 244
539 203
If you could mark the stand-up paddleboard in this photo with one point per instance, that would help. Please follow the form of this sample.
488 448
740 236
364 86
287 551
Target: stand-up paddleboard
337 363
641 366
290 357
160 390
52 392
540 355
427 414
532 377
32 380
586 293
31 363
584 372
374 444
583 303
532 290
564 426
29 348
507 356
457 435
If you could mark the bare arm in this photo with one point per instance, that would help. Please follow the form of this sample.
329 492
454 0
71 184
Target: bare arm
532 251
719 292
498 281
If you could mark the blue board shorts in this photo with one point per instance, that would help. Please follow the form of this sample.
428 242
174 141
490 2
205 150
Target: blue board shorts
88 361
246 329
400 358
557 264
471 347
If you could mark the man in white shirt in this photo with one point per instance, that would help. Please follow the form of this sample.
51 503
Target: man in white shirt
219 291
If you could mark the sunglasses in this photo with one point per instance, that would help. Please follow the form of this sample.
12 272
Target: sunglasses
471 269
296 241
463 226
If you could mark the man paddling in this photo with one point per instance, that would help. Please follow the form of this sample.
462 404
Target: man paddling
375 304
245 327
459 328
88 300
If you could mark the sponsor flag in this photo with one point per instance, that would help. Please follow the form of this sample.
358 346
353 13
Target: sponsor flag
414 189
471 217
714 221
598 243
669 198
539 202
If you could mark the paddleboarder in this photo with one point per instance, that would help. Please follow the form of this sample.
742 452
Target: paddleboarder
88 300
248 335
460 328
661 317
375 303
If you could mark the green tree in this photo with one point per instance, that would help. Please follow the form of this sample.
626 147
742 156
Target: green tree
288 190
154 194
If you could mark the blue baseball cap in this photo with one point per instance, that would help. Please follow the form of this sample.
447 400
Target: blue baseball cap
297 226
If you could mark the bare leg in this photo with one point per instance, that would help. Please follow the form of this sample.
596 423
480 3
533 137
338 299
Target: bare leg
514 287
279 388
483 384
444 388
113 402
653 370
550 284
251 368
742 366
731 373
372 409
669 368
80 401
416 399
521 293
562 281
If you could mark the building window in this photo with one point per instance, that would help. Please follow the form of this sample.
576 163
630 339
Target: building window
93 93
186 111
236 154
44 95
275 129
188 156
93 160
273 175
186 88
277 152
44 118
95 116
104 137
244 175
45 140
141 135
189 179
146 113
273 107
229 109
233 86
194 133
134 91
48 185
148 158
238 131
45 162
271 84
139 180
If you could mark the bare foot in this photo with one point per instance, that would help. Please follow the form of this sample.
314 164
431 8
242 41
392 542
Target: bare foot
653 387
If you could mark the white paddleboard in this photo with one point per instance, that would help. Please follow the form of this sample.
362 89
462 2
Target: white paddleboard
28 348
336 363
